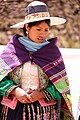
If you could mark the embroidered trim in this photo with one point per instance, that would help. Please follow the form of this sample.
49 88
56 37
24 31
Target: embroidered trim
68 101
43 79
58 76
61 84
13 56
4 69
47 95
16 74
52 64
37 15
10 89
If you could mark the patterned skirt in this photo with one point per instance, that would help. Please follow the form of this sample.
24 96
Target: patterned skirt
32 111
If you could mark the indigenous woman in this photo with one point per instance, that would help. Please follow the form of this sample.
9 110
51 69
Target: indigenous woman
33 79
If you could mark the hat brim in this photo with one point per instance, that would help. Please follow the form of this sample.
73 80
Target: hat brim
53 21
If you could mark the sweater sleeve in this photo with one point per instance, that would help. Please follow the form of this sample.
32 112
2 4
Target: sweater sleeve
6 86
51 92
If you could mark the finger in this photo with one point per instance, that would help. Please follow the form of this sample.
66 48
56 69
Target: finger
32 98
29 91
29 97
23 101
26 101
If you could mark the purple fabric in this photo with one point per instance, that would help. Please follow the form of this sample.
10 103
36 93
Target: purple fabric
48 57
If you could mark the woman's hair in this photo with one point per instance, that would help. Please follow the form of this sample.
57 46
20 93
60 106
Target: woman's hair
35 23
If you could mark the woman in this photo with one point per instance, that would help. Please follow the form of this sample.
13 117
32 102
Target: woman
34 83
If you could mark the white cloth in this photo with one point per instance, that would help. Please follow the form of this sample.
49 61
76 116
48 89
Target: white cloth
29 77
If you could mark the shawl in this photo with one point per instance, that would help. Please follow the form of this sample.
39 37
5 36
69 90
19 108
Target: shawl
48 58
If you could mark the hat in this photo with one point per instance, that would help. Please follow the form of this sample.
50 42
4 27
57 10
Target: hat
37 11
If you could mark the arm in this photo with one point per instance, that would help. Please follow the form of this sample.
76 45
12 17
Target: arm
48 89
6 86
51 92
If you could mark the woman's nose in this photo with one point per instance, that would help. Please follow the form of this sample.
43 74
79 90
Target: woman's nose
43 34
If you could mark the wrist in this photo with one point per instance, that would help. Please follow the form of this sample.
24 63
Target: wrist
42 95
13 92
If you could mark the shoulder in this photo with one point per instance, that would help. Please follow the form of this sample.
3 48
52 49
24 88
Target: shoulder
16 36
14 39
53 40
53 46
14 42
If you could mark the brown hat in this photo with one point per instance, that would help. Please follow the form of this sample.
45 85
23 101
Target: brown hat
37 11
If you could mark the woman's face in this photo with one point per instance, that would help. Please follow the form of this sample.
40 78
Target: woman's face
38 33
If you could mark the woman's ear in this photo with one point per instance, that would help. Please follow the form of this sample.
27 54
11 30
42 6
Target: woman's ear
26 26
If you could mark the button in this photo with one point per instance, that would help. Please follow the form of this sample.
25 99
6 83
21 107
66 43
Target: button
30 57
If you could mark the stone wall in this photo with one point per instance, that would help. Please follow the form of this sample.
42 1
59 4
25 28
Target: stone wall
12 11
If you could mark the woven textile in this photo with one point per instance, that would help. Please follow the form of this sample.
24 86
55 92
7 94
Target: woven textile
48 58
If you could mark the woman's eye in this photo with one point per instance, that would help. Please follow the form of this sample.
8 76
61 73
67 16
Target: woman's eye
38 29
46 30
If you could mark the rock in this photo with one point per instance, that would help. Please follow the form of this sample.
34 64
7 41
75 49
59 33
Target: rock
12 12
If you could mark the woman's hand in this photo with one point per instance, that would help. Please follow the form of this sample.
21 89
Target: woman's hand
35 95
21 95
